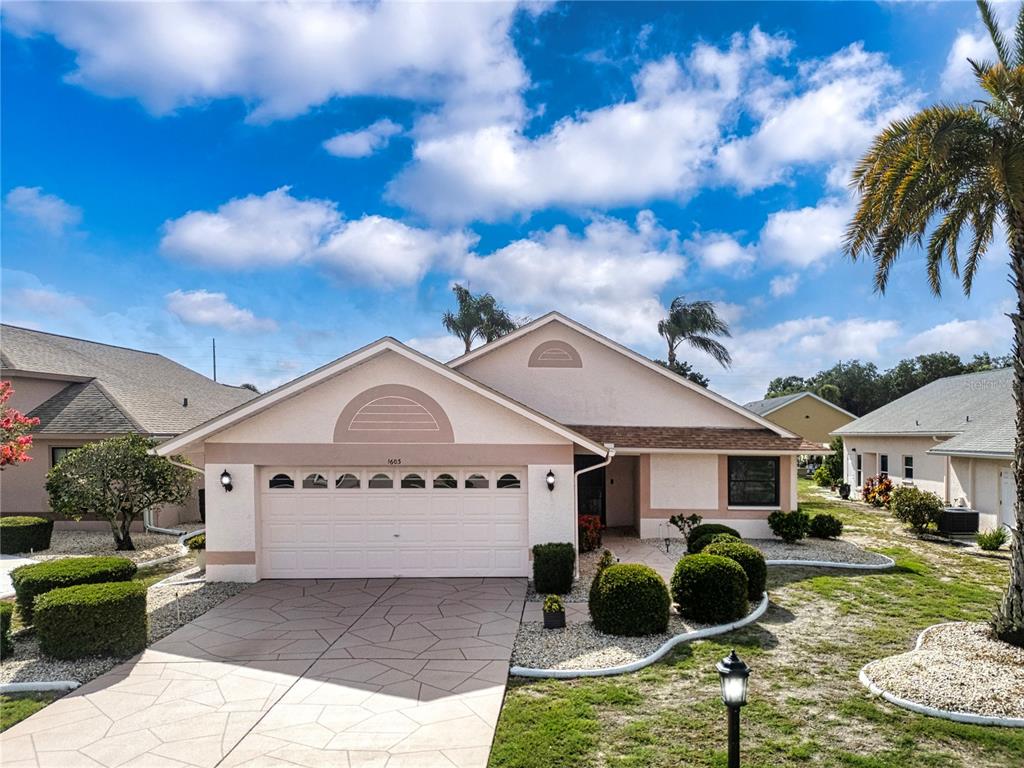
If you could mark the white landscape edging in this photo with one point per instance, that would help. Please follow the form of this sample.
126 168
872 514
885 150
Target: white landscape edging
55 685
924 709
162 560
832 564
668 645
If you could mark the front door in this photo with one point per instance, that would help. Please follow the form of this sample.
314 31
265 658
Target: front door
590 499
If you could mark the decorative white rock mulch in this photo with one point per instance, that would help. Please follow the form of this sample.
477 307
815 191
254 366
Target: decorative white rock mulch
148 546
957 671
829 551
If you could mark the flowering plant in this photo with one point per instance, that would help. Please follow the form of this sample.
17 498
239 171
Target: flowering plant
14 428
590 532
877 490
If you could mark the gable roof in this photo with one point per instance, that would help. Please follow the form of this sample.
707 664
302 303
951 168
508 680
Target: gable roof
975 410
661 370
772 404
134 387
386 344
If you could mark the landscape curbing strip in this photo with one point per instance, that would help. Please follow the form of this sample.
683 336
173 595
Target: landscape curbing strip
890 563
162 560
668 645
53 685
924 709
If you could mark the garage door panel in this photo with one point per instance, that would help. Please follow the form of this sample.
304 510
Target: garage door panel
510 533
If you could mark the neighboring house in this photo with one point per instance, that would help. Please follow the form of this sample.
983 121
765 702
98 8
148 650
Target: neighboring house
953 437
83 391
803 413
386 462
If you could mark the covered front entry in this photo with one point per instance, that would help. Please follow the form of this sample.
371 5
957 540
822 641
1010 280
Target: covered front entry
341 522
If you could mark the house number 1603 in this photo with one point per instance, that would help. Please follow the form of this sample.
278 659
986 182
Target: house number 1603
394 462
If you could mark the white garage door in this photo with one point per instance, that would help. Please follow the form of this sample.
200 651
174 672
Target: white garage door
354 523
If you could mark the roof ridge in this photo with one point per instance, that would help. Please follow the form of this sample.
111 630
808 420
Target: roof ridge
84 341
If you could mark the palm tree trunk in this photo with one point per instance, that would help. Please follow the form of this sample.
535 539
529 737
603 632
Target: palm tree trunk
671 355
1008 622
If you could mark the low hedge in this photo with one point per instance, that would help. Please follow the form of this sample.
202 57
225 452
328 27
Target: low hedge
710 589
706 529
825 526
31 581
24 534
789 526
751 561
6 643
630 599
553 566
92 620
699 545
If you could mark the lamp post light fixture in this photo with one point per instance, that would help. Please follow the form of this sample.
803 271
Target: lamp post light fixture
550 478
225 480
733 674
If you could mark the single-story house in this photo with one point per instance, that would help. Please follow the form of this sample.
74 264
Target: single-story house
953 437
83 391
386 462
803 413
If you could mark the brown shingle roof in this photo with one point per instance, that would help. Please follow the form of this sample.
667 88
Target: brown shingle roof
695 438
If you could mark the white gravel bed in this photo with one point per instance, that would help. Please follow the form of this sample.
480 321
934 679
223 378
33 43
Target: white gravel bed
580 646
828 550
957 667
581 586
148 546
168 609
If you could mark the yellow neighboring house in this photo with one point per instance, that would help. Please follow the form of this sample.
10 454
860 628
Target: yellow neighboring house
804 414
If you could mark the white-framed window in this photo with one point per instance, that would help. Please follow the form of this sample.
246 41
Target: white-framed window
380 480
315 481
281 481
908 467
59 452
445 481
476 480
860 470
413 480
346 481
508 480
883 464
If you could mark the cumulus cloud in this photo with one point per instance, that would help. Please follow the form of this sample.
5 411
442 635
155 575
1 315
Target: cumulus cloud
441 348
213 309
365 142
783 285
718 250
963 337
43 210
805 236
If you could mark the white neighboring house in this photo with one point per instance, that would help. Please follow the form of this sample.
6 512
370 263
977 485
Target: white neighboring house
953 437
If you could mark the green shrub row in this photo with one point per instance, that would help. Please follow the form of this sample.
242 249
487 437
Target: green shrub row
710 589
750 559
707 529
699 545
92 620
553 566
629 599
6 643
825 526
32 581
24 534
789 526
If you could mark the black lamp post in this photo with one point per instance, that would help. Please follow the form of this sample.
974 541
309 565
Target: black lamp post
733 674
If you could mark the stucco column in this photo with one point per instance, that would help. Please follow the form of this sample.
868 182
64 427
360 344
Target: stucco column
231 524
552 518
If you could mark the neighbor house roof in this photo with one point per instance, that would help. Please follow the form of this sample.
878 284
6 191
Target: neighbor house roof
701 439
111 389
975 411
772 404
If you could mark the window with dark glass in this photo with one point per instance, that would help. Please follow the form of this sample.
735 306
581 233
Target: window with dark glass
508 480
883 464
380 480
314 480
413 480
281 481
476 481
753 481
908 467
56 454
445 480
347 481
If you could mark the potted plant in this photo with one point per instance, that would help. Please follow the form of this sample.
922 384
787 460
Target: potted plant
197 544
554 612
844 491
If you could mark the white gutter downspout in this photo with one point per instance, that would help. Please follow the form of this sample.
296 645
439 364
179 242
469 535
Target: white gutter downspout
575 499
147 524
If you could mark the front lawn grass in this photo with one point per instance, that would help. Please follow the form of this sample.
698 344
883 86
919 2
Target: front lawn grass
806 704
16 707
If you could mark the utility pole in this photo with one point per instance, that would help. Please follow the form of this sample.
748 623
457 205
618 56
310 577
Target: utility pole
214 359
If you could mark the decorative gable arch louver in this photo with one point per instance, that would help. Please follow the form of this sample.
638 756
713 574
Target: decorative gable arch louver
393 413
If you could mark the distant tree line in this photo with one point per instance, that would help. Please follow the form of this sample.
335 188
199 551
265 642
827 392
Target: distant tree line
861 388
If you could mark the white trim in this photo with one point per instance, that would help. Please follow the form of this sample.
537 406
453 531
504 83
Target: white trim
540 322
971 454
722 451
387 344
833 564
801 396
55 685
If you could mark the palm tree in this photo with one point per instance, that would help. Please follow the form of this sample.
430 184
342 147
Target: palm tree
960 167
695 323
478 317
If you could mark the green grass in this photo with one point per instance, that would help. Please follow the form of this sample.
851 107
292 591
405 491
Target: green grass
16 707
806 704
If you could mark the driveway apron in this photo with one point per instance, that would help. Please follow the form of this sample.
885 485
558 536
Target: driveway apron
380 673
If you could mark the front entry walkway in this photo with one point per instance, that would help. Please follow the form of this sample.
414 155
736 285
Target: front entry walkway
379 673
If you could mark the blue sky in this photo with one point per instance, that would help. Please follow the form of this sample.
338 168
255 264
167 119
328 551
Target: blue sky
299 180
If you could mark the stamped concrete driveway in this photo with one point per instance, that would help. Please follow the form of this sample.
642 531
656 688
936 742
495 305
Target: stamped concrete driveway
381 672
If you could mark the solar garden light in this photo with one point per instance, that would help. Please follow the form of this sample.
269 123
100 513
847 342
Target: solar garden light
225 480
733 674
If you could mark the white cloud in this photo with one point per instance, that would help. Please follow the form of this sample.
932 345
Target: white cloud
365 142
958 77
441 348
284 58
718 250
805 236
964 337
784 285
206 308
49 212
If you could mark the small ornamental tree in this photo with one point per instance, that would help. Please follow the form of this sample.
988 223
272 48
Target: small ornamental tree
15 439
117 480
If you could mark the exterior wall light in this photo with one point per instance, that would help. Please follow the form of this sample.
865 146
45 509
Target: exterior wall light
550 480
733 674
225 480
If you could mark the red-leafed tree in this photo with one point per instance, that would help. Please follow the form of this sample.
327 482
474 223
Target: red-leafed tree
15 439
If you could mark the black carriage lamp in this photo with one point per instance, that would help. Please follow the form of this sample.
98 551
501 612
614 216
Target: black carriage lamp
225 480
733 674
550 480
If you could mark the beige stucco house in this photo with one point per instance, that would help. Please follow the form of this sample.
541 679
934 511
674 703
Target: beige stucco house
389 463
83 391
953 437
803 413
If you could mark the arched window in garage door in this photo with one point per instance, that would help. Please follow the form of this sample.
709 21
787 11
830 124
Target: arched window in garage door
281 480
445 480
476 480
413 480
347 481
508 480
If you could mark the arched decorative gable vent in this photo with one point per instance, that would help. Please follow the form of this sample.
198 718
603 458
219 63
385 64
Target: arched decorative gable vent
555 354
393 413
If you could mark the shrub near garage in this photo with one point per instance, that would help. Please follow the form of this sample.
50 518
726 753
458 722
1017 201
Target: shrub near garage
92 620
789 526
31 581
750 560
24 534
630 599
553 566
699 545
6 643
706 529
710 589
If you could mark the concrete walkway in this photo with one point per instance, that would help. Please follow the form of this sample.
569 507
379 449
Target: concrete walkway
380 673
7 564
629 549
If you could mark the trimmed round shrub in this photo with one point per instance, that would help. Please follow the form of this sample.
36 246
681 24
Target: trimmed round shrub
789 526
6 643
92 620
24 534
607 559
751 561
710 589
630 599
825 526
706 529
553 566
918 509
31 581
699 545
197 543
